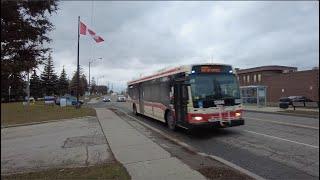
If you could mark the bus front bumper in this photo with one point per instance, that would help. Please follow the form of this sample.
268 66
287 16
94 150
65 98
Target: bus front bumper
217 124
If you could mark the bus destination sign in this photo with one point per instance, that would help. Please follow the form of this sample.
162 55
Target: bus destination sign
210 69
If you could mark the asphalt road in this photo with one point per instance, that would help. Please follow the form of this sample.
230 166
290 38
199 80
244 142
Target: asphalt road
269 145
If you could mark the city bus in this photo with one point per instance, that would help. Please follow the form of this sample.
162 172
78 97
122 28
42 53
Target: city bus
189 96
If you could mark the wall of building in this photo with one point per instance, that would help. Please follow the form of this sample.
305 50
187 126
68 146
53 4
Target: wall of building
254 77
299 83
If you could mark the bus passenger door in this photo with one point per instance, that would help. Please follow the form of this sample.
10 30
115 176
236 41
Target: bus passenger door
180 101
141 101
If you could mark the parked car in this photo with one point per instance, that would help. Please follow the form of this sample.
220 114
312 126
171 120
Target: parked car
300 99
70 100
121 99
285 102
57 101
74 101
30 98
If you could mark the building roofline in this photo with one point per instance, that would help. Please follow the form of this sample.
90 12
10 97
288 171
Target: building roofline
266 68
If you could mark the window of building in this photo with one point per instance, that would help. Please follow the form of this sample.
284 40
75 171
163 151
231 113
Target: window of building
255 78
248 78
244 78
259 77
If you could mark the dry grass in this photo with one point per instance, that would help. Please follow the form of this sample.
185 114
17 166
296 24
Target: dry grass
106 171
16 113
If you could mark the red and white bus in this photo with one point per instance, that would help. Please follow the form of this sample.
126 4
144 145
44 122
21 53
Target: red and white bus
201 95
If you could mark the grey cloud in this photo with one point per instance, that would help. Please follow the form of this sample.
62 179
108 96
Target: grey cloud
141 37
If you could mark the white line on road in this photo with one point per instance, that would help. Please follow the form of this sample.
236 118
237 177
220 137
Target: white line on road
317 147
232 165
283 123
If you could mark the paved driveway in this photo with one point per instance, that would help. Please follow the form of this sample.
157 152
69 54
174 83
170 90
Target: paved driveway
67 143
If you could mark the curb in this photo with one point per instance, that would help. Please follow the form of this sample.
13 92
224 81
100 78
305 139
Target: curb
284 113
43 122
189 148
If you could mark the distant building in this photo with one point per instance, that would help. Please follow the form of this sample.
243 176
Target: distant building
282 81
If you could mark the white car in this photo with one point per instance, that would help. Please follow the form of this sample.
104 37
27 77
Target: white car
121 99
106 99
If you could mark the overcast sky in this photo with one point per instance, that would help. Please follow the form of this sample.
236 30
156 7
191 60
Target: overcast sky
142 37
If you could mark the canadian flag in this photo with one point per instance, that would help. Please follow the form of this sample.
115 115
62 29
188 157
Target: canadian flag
84 30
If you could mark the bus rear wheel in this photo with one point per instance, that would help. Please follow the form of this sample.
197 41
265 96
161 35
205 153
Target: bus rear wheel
171 121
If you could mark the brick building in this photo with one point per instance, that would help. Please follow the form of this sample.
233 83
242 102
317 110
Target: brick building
282 81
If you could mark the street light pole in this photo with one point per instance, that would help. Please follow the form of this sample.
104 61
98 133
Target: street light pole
89 74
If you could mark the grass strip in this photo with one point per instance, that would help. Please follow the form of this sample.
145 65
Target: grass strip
17 113
105 171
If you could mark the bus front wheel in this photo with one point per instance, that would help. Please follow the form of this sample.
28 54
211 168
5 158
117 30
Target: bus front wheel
171 121
134 109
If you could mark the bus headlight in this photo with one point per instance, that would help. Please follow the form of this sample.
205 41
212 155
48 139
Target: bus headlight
197 118
238 114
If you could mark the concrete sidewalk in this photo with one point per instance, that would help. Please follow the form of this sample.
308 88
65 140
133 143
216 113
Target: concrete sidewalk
276 109
143 158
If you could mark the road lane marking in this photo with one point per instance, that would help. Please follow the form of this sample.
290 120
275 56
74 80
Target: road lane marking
283 123
228 163
309 145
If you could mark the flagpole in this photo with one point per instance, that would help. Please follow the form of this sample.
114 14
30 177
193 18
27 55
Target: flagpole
78 67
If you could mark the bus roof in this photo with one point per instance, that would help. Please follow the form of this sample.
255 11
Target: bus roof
169 71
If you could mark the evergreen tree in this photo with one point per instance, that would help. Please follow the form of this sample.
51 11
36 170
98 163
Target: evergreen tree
17 88
25 27
83 84
35 85
63 83
49 79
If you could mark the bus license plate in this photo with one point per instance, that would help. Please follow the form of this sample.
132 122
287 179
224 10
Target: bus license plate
213 119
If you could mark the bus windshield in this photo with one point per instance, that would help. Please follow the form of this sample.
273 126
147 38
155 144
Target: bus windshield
206 87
